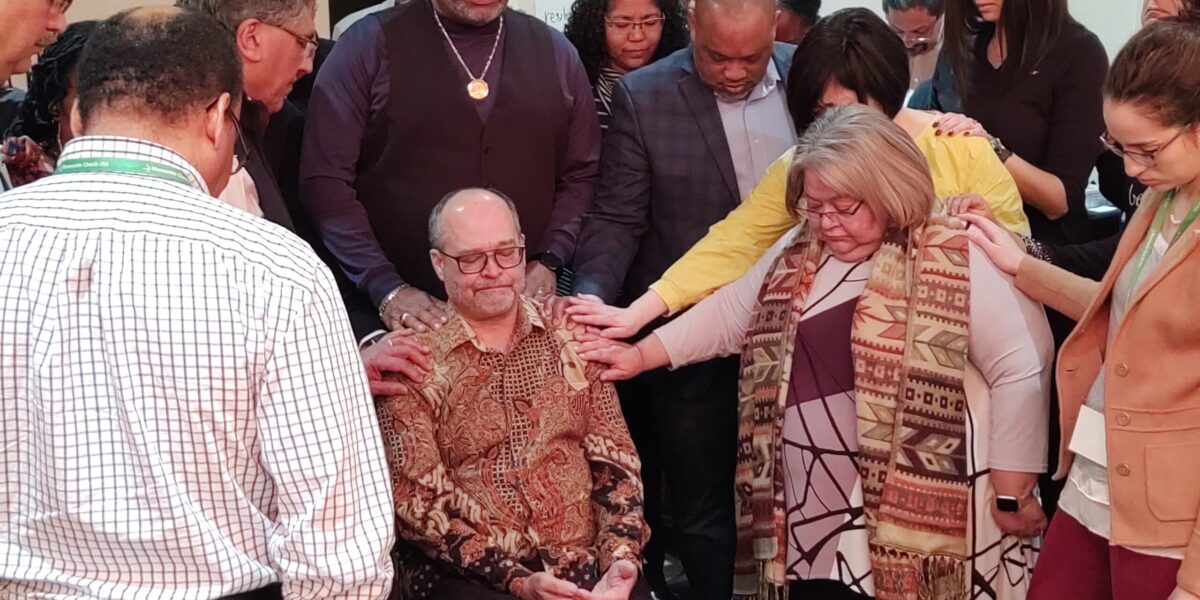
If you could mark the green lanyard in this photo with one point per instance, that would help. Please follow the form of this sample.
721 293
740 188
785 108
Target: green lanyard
1155 229
126 165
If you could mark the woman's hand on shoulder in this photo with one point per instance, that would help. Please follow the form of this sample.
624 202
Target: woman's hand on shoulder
609 321
951 124
970 204
1000 245
621 361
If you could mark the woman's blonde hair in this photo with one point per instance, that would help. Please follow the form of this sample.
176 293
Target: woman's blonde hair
859 152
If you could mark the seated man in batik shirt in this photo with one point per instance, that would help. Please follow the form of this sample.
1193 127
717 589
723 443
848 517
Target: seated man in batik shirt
512 470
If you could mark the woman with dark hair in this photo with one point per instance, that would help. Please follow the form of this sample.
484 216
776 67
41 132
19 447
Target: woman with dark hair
1126 527
615 37
1028 77
43 122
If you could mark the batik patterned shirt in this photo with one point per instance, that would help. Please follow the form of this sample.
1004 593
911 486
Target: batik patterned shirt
503 460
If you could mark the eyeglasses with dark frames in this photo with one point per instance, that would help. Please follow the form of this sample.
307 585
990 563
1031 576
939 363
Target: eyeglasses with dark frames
1146 159
841 216
476 262
242 150
309 43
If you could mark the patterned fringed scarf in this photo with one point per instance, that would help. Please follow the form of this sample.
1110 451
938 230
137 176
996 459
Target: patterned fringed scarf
909 344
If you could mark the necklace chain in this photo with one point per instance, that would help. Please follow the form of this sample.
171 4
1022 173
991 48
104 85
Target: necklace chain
486 66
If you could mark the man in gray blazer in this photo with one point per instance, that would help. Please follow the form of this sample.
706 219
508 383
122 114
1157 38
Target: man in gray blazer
690 136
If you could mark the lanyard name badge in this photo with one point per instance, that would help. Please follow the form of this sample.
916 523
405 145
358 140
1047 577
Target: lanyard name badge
1155 230
128 166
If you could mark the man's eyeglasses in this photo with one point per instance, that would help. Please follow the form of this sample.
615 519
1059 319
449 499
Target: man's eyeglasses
626 26
841 216
241 152
476 262
1146 159
309 43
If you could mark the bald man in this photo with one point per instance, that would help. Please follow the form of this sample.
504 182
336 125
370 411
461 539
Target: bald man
690 136
513 471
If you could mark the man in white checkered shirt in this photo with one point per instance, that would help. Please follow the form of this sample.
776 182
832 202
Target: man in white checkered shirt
184 413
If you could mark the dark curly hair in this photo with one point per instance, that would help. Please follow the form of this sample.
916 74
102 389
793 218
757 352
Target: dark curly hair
585 29
49 81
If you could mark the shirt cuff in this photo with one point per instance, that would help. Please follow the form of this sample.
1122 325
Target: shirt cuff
379 287
565 252
371 338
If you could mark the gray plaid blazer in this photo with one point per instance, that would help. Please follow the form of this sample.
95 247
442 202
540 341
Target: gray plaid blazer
666 176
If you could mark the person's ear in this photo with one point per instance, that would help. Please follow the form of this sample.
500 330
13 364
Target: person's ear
76 119
249 40
692 24
439 263
214 120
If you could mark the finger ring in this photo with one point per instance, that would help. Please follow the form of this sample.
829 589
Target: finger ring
404 317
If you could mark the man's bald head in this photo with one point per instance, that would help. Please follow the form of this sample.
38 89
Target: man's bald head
465 204
732 43
735 9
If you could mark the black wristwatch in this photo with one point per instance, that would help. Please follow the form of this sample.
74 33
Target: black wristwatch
1011 504
549 260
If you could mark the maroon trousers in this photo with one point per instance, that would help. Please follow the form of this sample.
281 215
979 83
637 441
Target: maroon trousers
1078 564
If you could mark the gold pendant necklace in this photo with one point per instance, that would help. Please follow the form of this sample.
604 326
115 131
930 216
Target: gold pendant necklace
477 88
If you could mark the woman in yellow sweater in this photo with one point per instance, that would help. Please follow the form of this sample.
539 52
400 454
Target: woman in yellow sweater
849 57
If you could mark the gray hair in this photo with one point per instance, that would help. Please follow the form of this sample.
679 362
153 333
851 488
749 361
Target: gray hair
858 152
437 235
231 13
935 7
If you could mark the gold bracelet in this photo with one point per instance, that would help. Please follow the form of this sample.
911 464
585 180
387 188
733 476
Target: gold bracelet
388 298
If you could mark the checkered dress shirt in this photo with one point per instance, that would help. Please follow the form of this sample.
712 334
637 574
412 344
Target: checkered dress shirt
184 413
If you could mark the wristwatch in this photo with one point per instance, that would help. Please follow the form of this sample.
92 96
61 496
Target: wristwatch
998 147
1011 504
549 260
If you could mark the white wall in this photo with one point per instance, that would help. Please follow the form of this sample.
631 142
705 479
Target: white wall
1113 20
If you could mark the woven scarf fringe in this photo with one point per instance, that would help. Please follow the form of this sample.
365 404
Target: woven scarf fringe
943 578
767 590
903 575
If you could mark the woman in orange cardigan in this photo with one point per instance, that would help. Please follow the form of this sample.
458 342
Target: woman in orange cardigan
1129 374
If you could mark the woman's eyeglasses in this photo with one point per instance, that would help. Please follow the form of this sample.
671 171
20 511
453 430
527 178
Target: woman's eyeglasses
841 216
476 262
1146 159
627 26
